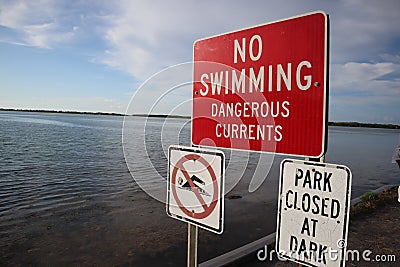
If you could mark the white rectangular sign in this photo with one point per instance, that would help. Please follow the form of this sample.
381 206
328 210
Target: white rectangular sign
313 212
196 186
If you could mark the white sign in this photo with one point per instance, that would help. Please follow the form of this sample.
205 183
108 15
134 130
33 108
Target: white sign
196 186
313 212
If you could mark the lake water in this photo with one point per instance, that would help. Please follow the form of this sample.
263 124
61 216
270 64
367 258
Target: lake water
67 196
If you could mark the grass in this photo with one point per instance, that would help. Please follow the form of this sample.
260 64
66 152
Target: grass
370 201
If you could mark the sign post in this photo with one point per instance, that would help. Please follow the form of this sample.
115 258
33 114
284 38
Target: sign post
313 212
193 235
195 192
264 88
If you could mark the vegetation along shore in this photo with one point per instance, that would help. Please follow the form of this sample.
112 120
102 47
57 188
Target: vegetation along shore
344 124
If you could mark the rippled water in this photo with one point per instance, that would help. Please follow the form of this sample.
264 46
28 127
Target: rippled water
67 196
57 162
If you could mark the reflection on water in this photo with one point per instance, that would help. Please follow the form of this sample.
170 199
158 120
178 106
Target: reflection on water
367 152
58 163
67 195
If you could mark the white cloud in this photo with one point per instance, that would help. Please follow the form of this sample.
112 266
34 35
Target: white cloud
365 92
358 75
145 37
45 35
41 23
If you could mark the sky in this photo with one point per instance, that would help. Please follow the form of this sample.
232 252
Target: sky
95 55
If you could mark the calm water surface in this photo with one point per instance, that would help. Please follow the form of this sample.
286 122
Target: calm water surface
67 197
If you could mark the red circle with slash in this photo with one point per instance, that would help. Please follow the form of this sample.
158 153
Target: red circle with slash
208 209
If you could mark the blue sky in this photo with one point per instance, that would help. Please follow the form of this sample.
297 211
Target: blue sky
94 55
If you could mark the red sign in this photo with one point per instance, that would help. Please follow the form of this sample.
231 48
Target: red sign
263 88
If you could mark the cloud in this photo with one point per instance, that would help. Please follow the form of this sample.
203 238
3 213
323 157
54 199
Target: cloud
142 37
365 92
359 76
145 37
42 23
362 30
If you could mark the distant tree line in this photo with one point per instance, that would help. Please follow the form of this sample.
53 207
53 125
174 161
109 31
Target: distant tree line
95 113
345 124
62 111
360 124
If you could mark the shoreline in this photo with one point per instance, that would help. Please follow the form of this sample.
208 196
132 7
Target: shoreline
364 234
331 123
94 113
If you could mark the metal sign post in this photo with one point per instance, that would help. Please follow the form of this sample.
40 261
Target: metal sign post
193 234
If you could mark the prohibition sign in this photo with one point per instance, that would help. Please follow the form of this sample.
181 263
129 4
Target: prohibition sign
195 188
207 209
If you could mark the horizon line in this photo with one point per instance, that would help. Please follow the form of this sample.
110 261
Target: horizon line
330 123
